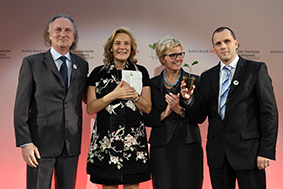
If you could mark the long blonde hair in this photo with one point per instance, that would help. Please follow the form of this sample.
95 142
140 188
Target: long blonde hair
108 45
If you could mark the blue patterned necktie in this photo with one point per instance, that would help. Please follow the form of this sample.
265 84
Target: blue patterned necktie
64 70
225 90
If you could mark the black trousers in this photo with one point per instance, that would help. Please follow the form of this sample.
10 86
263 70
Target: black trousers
65 172
225 178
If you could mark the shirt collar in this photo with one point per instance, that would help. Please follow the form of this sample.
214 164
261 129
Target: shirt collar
233 64
57 55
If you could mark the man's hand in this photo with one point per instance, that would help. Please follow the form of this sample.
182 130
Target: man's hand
185 92
29 152
262 162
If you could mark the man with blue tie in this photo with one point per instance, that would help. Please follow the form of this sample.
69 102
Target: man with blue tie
238 98
48 108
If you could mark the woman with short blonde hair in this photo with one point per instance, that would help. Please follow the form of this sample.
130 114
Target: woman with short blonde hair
175 150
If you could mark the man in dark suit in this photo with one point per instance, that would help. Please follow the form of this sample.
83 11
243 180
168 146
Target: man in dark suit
238 98
48 108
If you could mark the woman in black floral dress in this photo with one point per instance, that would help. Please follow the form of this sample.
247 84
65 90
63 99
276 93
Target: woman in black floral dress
118 151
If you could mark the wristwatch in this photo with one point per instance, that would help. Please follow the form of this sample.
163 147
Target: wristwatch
182 111
137 98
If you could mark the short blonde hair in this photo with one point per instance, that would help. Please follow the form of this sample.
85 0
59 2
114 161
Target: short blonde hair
164 44
109 57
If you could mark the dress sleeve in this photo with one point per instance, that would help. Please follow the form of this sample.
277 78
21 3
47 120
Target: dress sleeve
145 75
94 76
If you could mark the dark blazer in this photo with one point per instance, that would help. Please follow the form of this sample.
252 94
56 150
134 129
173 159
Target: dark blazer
186 130
250 126
44 113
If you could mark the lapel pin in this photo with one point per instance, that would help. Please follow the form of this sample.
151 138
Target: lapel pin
236 82
75 66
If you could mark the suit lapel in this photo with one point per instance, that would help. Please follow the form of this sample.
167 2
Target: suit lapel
239 72
48 60
214 78
214 84
75 67
237 79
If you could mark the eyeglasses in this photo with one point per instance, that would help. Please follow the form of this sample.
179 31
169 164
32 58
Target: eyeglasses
174 56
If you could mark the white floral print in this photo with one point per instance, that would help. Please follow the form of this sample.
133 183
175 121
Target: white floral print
123 142
104 147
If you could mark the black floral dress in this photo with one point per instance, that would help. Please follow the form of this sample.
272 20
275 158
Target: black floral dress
118 152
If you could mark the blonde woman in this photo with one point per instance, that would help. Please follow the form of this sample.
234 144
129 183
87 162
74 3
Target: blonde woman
118 150
176 151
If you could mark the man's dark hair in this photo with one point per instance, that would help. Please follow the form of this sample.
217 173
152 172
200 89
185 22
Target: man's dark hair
220 29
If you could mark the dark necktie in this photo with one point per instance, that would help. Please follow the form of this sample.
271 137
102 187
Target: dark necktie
64 70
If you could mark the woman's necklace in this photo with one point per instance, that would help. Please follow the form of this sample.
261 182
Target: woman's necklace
171 85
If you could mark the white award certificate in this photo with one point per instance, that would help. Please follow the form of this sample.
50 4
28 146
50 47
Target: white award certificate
134 78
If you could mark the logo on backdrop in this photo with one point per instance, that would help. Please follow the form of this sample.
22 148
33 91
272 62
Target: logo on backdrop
5 54
201 51
247 54
276 51
250 54
87 54
33 51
